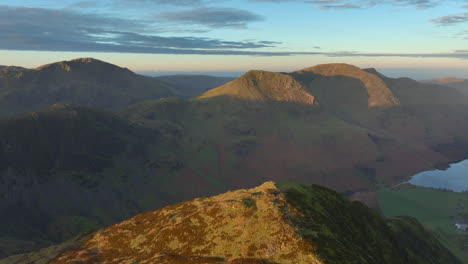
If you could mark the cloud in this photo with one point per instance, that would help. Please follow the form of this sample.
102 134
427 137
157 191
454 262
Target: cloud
166 2
357 4
418 3
461 54
462 35
213 17
319 3
65 30
41 29
339 5
451 19
83 4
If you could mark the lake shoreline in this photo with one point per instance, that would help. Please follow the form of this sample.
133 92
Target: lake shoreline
450 177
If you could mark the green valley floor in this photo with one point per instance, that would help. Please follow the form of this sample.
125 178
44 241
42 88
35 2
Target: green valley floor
438 210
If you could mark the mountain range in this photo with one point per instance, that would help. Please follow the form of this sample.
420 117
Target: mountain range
353 130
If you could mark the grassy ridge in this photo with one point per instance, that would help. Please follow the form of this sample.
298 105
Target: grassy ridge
349 232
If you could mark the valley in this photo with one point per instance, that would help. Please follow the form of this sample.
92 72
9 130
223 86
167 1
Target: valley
438 210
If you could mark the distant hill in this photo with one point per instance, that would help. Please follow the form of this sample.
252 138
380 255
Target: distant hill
457 83
193 85
274 223
447 80
87 81
348 129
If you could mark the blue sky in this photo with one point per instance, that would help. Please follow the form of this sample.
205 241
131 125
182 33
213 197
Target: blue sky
417 37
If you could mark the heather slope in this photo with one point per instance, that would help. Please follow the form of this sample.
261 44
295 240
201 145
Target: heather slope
285 223
85 81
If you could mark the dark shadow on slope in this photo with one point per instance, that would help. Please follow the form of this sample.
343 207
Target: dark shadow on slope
335 91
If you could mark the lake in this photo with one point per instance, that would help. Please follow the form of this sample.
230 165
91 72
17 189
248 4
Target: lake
454 178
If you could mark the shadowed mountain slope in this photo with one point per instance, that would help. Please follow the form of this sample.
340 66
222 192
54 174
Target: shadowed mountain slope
59 167
283 223
411 92
85 81
347 84
193 85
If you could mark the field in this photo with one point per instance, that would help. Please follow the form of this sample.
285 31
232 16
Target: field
436 209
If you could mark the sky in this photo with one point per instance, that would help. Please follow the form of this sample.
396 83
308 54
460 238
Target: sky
415 38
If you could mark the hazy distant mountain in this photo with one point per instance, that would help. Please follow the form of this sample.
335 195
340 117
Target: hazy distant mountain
447 80
193 85
274 223
87 82
459 84
335 125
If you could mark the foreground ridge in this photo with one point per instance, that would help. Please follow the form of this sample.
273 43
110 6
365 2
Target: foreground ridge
273 223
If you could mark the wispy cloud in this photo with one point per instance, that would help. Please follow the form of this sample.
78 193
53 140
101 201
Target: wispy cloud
340 4
357 4
166 2
65 30
419 3
213 17
451 19
343 5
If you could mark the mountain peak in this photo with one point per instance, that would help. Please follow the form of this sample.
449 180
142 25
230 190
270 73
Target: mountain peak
258 85
332 68
85 81
87 60
374 71
90 64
